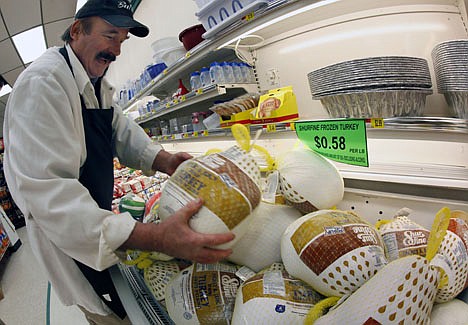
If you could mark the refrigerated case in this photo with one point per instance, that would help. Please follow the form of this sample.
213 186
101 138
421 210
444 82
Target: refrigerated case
415 162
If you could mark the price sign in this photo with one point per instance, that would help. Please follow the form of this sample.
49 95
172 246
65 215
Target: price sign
377 123
205 133
195 134
199 91
250 16
183 98
271 128
187 55
344 141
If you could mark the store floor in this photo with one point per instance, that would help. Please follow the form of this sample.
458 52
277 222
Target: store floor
26 292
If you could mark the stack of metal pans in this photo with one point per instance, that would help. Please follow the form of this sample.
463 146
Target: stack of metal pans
450 60
384 86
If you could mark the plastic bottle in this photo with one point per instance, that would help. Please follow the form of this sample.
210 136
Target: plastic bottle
228 73
195 81
216 73
205 77
247 72
237 72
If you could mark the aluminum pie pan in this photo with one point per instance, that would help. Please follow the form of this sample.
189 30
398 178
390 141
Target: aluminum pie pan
374 89
458 103
376 104
384 63
368 84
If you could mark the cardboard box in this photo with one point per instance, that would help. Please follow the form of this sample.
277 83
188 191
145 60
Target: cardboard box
240 118
278 105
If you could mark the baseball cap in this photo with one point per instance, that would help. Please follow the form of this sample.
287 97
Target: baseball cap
116 12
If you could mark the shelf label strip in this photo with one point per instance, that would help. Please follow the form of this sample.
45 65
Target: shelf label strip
344 141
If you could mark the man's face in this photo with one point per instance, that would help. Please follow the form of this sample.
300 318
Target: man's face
100 47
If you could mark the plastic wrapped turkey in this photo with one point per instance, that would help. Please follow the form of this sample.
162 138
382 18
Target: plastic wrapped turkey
403 237
203 294
228 183
403 292
158 275
453 259
308 181
261 244
333 251
273 297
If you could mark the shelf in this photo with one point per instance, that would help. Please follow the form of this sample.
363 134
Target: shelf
167 82
200 100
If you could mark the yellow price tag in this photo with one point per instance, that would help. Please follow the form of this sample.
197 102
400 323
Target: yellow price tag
199 91
159 138
165 137
250 16
195 133
168 105
187 55
183 98
173 136
165 72
176 101
185 135
205 133
271 127
292 126
377 123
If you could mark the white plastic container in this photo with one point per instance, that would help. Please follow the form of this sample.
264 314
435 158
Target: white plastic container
170 56
205 77
163 44
218 14
216 73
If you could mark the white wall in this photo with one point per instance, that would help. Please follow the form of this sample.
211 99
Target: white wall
164 19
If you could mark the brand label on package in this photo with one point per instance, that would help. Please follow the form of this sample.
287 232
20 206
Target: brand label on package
344 141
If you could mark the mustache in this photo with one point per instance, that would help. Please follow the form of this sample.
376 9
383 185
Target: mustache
106 56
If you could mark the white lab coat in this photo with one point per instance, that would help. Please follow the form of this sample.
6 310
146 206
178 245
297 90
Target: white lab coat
45 148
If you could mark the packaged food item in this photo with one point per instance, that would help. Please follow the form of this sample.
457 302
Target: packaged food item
203 294
308 181
403 292
273 297
278 105
334 251
227 181
260 246
452 257
402 236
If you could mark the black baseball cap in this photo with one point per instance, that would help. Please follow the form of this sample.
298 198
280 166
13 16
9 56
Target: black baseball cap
116 12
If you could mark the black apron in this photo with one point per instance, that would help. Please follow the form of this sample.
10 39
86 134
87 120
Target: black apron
97 175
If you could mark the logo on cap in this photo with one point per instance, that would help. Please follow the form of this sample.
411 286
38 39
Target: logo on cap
124 4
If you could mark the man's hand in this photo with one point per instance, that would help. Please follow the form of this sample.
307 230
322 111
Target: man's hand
174 237
167 162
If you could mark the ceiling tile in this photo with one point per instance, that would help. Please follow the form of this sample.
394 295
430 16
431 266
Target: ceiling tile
10 59
53 32
21 15
11 76
3 31
53 10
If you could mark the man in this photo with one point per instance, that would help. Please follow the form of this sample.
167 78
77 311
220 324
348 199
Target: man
61 133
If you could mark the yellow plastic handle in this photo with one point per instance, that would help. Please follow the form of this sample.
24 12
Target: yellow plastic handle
319 309
380 223
242 136
438 232
271 164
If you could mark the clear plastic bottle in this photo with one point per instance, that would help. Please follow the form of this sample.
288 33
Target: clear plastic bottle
228 73
195 81
205 77
237 72
247 72
216 73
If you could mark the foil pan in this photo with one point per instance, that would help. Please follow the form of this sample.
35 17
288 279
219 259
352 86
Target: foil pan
458 103
377 104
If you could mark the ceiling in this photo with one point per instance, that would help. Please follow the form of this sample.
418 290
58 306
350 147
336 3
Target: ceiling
17 16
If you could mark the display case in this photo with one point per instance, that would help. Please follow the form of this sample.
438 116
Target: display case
418 162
